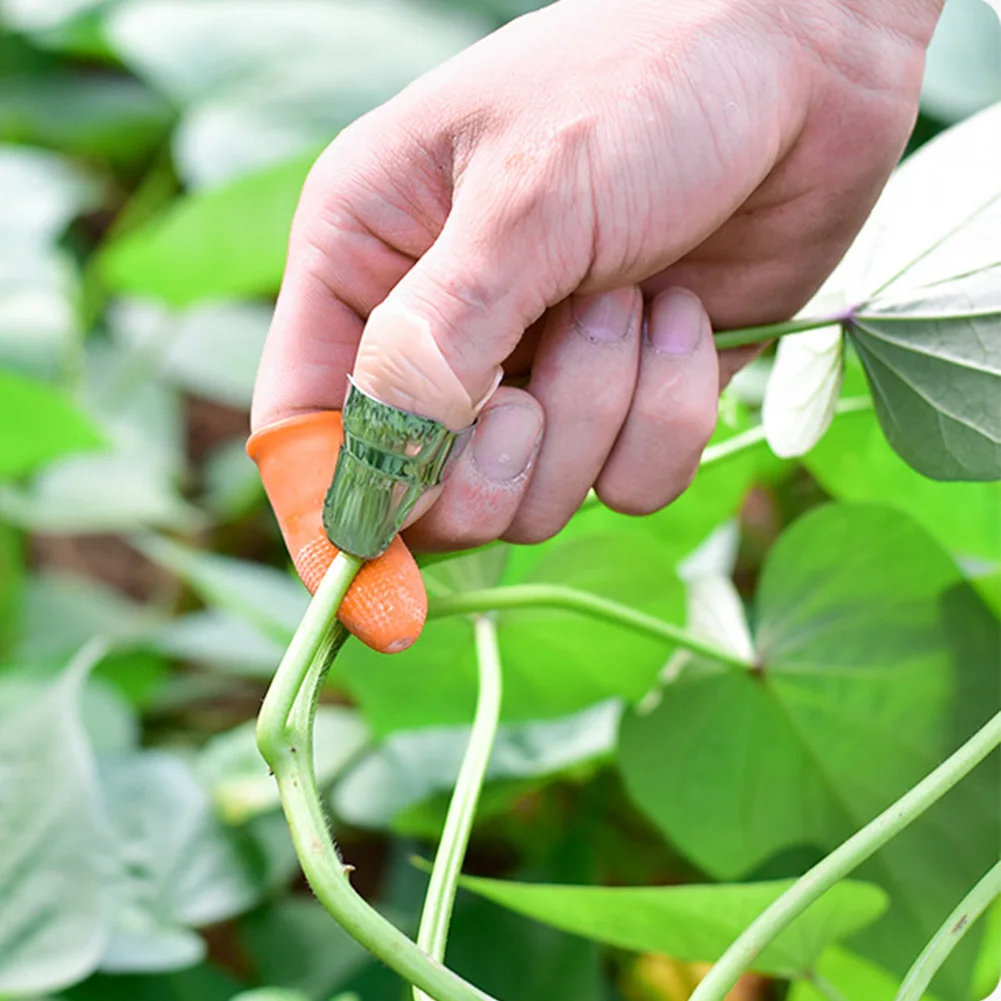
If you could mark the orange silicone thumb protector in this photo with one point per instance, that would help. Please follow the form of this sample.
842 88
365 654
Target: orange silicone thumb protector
386 605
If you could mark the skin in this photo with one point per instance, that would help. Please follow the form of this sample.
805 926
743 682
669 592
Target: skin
579 199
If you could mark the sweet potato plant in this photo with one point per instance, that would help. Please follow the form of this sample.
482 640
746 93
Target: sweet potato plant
744 748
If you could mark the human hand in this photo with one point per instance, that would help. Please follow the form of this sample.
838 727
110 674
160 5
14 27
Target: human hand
575 199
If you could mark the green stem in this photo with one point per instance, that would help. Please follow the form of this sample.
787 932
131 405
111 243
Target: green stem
285 740
956 925
497 599
433 933
755 335
843 860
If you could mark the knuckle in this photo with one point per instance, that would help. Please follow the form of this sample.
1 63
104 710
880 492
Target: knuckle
531 528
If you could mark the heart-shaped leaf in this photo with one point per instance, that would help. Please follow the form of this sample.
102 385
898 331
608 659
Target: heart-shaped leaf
876 661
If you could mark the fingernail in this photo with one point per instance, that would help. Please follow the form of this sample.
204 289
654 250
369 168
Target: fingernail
605 318
505 441
677 322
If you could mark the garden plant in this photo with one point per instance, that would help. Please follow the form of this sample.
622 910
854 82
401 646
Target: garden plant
743 748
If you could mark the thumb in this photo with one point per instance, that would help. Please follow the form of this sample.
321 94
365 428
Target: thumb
386 605
435 345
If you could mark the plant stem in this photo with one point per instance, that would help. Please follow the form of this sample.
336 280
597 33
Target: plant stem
433 933
285 740
956 925
843 860
556 596
755 335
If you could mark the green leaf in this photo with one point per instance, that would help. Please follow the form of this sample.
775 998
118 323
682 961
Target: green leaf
298 947
240 782
175 867
224 243
877 660
852 976
934 365
692 923
854 462
51 930
38 424
920 291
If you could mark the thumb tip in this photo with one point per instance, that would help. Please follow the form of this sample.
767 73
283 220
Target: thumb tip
401 363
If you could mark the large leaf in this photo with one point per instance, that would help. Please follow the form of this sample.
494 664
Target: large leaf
53 926
876 660
691 922
854 462
38 424
175 867
921 287
224 243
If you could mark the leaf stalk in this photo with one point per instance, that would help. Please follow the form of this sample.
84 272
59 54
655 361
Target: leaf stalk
496 599
432 935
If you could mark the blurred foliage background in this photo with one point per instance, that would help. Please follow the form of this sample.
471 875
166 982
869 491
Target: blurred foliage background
151 153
